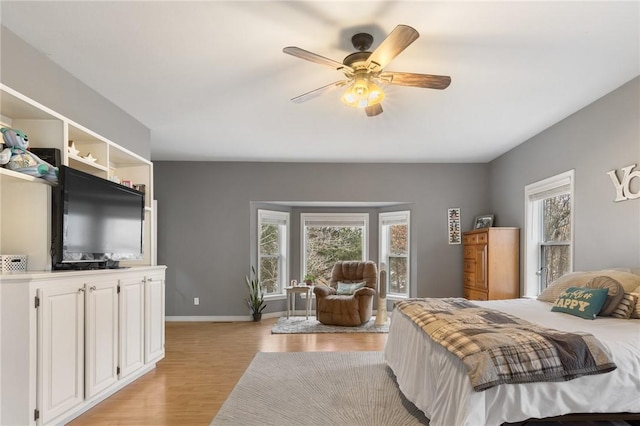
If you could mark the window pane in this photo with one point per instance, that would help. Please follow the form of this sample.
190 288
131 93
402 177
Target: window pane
328 244
269 239
555 260
398 240
557 218
397 275
273 253
269 274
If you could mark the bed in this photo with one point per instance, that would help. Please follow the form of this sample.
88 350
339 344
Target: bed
437 382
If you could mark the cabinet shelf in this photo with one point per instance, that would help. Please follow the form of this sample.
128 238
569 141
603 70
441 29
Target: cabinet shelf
85 165
7 175
49 129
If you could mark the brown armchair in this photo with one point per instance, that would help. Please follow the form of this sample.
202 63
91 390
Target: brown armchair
347 310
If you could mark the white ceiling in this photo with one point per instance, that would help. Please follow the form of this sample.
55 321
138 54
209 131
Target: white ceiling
211 82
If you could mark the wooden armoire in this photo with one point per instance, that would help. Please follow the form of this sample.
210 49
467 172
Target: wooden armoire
491 263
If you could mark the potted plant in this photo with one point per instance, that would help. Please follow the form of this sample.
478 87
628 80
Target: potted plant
308 279
256 297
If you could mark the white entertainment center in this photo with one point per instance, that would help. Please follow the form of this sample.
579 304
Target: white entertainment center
70 339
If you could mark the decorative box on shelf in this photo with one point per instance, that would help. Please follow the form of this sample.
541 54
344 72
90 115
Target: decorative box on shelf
13 263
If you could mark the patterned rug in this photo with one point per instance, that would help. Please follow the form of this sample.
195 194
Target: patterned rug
318 389
301 325
328 388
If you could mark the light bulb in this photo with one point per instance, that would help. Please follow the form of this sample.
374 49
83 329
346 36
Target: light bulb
362 93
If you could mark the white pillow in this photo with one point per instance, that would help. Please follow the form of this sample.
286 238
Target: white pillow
348 288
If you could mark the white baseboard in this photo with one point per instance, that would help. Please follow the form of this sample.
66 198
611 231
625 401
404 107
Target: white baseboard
216 318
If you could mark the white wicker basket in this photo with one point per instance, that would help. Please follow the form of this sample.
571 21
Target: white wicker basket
13 263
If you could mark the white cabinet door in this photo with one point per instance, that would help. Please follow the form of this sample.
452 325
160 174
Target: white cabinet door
154 311
101 336
131 325
60 350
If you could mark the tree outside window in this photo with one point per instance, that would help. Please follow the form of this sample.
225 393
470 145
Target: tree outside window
394 251
272 250
556 240
549 231
329 238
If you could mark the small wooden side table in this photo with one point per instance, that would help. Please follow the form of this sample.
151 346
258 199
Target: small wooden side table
291 298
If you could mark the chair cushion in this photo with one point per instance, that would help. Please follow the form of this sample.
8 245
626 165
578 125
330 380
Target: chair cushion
354 272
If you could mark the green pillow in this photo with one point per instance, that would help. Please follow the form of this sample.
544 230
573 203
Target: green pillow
348 288
581 302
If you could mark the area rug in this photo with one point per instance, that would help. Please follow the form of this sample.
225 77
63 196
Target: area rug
301 325
318 388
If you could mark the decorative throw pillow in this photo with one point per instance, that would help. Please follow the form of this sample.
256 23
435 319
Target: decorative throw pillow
581 302
628 280
627 306
348 288
636 311
572 279
615 293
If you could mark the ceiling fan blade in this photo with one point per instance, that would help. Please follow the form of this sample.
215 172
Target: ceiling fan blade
317 92
313 57
426 81
399 39
373 110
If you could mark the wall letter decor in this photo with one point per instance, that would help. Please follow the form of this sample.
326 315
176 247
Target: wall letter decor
623 188
453 216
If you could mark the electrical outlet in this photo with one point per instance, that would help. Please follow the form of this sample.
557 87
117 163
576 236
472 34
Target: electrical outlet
196 300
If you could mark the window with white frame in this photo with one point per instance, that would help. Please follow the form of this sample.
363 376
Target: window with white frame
394 251
548 232
273 247
331 237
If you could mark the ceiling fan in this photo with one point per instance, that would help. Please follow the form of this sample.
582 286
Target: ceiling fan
364 70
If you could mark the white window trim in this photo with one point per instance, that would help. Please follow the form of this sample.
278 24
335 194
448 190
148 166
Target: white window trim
332 217
554 185
401 217
276 217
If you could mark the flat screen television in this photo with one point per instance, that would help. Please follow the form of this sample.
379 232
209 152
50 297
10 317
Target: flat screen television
96 223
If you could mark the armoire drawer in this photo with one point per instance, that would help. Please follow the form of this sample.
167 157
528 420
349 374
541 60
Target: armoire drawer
470 239
469 252
474 295
469 265
470 278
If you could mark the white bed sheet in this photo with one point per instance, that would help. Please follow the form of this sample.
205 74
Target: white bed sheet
436 381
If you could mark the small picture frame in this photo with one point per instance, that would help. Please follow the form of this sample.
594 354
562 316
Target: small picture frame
127 183
483 221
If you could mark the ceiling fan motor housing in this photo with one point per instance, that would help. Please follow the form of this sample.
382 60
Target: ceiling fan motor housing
362 41
357 61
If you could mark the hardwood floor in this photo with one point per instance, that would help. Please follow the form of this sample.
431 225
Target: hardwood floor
203 363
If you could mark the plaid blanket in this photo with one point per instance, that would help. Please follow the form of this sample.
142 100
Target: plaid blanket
498 348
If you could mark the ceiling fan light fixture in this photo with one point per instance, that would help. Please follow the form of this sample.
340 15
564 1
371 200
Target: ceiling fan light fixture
363 69
362 93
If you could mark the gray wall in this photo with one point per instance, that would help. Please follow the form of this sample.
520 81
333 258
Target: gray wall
205 208
31 73
204 232
601 137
